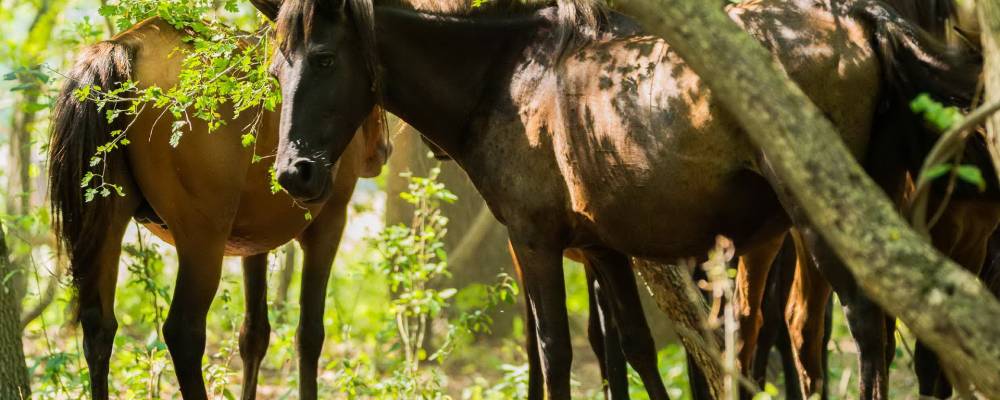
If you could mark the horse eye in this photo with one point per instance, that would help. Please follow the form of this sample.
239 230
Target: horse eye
325 61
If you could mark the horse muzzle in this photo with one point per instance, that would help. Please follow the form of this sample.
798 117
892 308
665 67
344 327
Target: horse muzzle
306 180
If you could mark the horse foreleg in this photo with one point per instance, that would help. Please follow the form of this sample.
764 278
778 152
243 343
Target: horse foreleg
97 297
256 330
536 386
541 268
184 329
319 246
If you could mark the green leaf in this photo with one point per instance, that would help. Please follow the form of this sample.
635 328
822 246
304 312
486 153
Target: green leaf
86 179
248 139
935 172
971 174
935 113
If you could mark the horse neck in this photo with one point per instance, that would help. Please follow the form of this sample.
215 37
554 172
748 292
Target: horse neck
435 69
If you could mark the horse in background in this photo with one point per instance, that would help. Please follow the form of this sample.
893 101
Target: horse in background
206 197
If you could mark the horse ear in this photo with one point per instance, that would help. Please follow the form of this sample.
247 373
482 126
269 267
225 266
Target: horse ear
267 7
377 146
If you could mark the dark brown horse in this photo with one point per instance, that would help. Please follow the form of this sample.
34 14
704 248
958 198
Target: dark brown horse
961 231
617 329
580 132
206 197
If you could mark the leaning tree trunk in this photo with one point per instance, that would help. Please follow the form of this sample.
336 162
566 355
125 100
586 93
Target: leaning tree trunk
676 294
13 371
945 306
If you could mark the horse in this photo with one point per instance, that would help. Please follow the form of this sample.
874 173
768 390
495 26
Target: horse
616 329
581 132
964 224
206 197
782 288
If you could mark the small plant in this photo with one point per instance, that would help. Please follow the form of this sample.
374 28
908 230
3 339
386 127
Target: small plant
413 258
943 118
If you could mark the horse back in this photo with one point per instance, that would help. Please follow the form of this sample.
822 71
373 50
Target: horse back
634 132
827 53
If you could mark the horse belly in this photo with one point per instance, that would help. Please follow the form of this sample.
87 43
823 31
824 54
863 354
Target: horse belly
252 236
207 189
679 214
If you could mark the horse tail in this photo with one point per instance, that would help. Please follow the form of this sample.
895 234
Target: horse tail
915 62
79 127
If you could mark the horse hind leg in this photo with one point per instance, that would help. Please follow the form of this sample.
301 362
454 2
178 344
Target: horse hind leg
626 311
866 319
256 330
200 254
97 293
604 339
751 283
806 319
773 332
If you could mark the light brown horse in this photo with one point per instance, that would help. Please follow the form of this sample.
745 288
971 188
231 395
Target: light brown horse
205 196
590 136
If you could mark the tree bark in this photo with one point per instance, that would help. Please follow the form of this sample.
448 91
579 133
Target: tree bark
989 24
13 371
945 306
676 294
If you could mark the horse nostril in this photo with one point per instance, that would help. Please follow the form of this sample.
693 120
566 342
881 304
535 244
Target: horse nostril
304 169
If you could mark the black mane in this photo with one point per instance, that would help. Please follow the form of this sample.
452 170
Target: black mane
577 20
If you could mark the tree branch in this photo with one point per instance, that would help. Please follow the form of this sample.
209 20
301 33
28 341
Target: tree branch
945 306
48 295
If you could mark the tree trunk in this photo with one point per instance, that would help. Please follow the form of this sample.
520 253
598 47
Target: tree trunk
676 294
19 182
13 371
945 306
989 25
285 276
19 188
476 242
